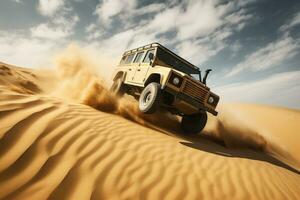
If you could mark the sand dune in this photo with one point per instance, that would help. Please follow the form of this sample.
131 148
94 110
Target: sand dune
61 147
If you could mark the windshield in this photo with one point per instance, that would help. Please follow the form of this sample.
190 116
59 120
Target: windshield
169 60
147 57
196 76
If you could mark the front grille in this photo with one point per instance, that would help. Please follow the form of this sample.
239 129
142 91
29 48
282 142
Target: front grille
195 91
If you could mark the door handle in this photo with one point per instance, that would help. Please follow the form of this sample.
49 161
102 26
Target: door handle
129 69
139 69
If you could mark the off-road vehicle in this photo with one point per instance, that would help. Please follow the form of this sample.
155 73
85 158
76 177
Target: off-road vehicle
159 78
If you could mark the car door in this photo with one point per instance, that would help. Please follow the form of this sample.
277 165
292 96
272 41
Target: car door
139 69
130 68
143 67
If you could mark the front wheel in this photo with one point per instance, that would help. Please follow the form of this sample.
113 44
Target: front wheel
193 123
150 98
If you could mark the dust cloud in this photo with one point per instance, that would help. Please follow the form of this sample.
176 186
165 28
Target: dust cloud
233 131
81 82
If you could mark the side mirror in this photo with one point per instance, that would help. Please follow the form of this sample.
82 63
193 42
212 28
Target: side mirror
151 56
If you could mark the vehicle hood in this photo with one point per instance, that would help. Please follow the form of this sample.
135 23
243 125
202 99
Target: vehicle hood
191 78
179 72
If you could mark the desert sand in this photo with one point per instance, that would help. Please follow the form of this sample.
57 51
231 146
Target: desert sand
63 136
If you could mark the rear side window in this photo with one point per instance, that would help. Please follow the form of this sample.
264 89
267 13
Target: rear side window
129 59
123 60
147 59
138 57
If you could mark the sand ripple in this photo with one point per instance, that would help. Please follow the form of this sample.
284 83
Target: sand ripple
57 150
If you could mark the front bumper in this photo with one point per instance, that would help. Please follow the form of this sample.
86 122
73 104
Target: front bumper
190 100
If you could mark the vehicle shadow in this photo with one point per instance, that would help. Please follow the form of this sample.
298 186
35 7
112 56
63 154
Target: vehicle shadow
211 145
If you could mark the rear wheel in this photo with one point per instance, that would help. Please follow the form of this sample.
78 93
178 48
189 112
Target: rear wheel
118 88
150 98
193 123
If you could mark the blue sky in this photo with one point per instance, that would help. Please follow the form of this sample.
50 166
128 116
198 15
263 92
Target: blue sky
253 46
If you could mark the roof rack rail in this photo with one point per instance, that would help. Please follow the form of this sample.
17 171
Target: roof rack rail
156 44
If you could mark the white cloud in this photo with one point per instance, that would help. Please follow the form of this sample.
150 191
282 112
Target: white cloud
199 51
47 32
90 28
271 55
93 31
200 18
278 89
239 19
60 28
36 46
197 54
115 45
18 49
67 21
295 21
219 23
94 35
197 25
49 7
151 8
190 19
163 21
125 11
110 8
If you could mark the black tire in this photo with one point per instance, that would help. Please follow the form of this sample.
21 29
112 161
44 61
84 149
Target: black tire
118 88
193 124
150 98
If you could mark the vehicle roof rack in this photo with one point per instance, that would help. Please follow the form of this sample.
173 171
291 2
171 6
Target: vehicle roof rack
156 44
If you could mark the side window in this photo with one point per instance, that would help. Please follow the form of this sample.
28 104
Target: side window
138 57
123 60
129 59
147 59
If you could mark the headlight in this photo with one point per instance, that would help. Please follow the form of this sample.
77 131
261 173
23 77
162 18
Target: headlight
210 100
176 81
213 99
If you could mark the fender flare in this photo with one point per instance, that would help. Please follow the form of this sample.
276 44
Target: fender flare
120 74
155 77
